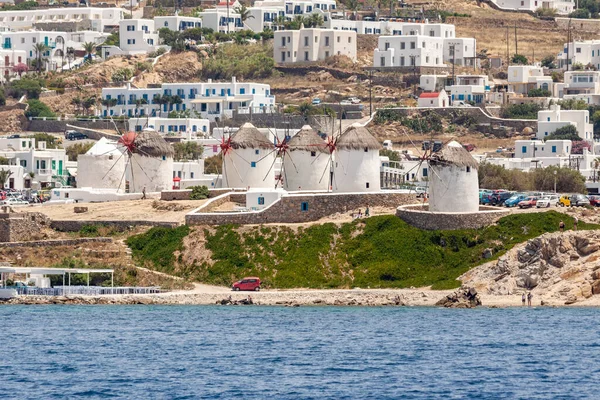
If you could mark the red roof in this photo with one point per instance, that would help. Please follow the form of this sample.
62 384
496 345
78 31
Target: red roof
432 95
224 3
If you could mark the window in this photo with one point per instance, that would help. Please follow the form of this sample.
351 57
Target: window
402 46
402 61
256 151
132 27
425 173
304 206
387 46
366 149
423 44
350 40
338 39
313 153
253 164
524 149
316 39
431 33
326 41
382 61
261 201
23 163
468 169
578 50
427 59
413 45
306 41
283 41
306 56
367 185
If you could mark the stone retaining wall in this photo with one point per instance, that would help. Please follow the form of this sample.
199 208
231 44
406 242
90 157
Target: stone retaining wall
39 125
184 194
289 208
16 227
421 218
75 226
57 242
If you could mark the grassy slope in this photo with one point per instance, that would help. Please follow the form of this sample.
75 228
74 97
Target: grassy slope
376 252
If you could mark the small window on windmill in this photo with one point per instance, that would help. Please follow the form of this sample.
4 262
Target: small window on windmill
313 153
437 146
110 156
426 145
164 158
468 169
367 185
256 151
366 149
261 201
253 164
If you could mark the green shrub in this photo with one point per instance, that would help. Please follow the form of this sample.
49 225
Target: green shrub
539 93
199 193
521 111
568 132
38 108
89 231
252 61
26 86
156 247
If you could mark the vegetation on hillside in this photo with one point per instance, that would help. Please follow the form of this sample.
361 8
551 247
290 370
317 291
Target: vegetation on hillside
252 61
520 111
376 252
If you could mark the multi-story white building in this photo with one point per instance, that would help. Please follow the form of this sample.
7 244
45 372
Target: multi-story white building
137 36
186 127
561 6
471 88
409 51
308 45
523 78
387 28
27 158
56 43
579 52
8 60
461 51
554 118
265 17
432 83
177 22
208 99
220 20
100 18
581 85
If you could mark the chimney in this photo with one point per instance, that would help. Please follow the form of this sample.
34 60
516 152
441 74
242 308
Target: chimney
233 79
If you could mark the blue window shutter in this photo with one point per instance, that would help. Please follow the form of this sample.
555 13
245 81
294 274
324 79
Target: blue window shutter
524 149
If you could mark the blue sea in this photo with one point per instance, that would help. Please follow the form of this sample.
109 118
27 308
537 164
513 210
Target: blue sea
224 352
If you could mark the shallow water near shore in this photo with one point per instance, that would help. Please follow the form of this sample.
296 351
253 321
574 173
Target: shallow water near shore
189 352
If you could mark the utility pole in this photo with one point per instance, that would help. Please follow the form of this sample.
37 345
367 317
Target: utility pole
516 41
507 49
227 16
370 92
568 41
453 47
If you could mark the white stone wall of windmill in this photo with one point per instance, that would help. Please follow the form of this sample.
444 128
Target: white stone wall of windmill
306 166
102 167
356 161
150 164
249 161
453 183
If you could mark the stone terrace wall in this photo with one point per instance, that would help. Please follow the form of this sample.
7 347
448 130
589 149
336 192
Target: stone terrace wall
432 221
289 208
57 242
184 194
21 227
75 226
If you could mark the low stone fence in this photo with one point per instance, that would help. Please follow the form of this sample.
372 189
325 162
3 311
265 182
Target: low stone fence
75 226
57 242
16 227
420 217
296 208
53 125
184 194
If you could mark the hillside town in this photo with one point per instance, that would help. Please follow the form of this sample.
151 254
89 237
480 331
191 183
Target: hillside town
141 114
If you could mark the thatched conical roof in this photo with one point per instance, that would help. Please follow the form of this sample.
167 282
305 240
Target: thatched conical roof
307 140
453 153
248 136
357 137
151 144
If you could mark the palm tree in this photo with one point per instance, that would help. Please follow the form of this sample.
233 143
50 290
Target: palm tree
4 175
90 48
354 6
77 102
314 21
139 103
89 103
70 55
108 103
173 100
40 49
244 13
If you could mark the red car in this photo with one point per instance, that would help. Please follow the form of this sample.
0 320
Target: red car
528 202
594 201
250 283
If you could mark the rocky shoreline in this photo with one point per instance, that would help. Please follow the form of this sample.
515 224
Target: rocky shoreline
296 298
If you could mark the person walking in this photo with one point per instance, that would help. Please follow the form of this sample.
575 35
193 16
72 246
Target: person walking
144 193
367 212
561 226
529 297
575 220
523 299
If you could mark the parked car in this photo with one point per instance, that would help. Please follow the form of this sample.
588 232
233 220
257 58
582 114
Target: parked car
547 201
594 200
469 147
354 100
250 283
76 136
564 200
579 200
13 201
528 202
515 199
490 197
500 198
316 101
484 193
345 103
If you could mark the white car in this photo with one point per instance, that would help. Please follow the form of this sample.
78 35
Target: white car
354 100
546 201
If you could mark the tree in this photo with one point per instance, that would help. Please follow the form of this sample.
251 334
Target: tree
77 102
26 86
172 100
548 62
305 109
314 21
520 111
76 149
519 59
573 104
139 103
185 151
39 109
70 55
354 6
539 93
567 180
20 69
89 48
244 13
391 154
40 49
4 175
567 132
88 103
108 103
580 13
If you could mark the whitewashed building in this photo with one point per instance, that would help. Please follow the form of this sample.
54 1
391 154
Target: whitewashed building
562 7
309 45
220 20
10 58
581 85
470 88
523 78
461 51
207 99
409 51
433 99
177 23
100 19
102 166
393 28
432 83
585 52
308 163
555 118
186 127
